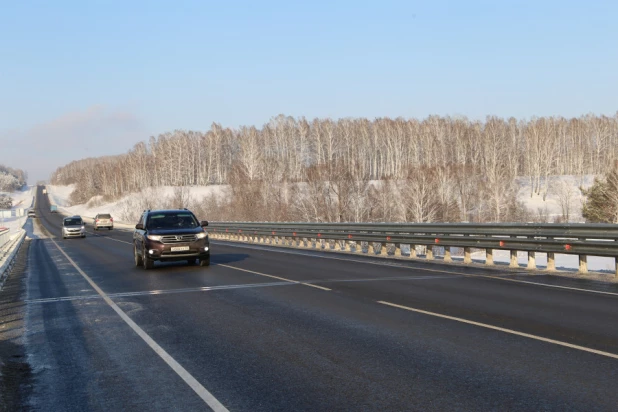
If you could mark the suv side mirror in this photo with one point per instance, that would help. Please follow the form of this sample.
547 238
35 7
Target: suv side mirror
204 223
139 226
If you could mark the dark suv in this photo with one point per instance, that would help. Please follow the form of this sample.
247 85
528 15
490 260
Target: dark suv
170 235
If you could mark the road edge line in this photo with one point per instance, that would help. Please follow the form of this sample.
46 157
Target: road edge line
197 387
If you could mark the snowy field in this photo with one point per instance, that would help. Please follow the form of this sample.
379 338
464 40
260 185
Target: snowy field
122 209
21 199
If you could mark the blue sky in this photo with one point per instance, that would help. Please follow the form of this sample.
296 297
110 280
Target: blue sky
117 72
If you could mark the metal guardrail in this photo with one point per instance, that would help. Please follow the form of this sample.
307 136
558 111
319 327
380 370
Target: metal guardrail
4 236
575 238
7 255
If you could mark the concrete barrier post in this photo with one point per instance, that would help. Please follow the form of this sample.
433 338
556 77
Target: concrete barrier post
489 257
514 263
531 260
447 254
583 264
413 251
467 255
429 253
398 250
551 261
370 250
384 250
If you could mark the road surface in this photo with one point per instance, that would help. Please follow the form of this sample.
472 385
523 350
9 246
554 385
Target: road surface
266 329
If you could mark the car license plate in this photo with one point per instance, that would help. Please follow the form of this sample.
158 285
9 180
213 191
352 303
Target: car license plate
179 248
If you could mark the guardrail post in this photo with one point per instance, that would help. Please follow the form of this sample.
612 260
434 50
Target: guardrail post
413 251
348 246
358 247
531 260
551 261
370 250
429 253
514 263
467 255
489 257
447 254
583 264
383 250
398 249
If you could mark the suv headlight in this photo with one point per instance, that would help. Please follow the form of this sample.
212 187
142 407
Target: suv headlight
201 235
156 238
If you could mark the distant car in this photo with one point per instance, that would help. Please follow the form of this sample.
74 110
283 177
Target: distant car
73 227
170 235
53 209
31 213
103 220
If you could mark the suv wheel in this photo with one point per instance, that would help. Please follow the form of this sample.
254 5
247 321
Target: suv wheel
148 263
138 258
205 262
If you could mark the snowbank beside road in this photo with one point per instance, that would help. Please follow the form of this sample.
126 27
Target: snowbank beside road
125 210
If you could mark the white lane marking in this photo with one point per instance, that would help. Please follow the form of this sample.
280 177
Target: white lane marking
109 238
159 292
274 277
418 268
510 331
197 387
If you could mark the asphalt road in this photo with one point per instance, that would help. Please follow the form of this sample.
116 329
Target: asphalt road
265 329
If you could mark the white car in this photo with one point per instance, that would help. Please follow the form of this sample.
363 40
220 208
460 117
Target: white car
73 227
31 213
103 220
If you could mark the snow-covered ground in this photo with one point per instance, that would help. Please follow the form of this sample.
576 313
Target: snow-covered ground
128 208
560 189
22 199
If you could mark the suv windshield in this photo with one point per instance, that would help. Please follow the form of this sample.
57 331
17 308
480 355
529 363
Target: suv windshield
172 220
72 222
104 216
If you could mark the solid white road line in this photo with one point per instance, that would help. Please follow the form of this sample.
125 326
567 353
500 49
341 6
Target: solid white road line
510 331
274 277
197 387
367 262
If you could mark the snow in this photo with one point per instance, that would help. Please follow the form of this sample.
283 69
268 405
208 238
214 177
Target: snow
551 205
22 199
125 209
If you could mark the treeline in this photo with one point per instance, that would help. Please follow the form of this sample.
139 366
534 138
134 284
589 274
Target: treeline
436 169
12 179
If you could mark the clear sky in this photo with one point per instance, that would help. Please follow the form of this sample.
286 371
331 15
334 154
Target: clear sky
90 78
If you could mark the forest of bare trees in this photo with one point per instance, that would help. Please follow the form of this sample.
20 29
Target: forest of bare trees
436 169
11 179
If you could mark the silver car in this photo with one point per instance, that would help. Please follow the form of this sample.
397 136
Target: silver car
103 220
73 227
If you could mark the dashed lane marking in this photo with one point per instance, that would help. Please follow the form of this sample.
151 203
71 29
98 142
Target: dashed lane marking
468 275
510 331
275 277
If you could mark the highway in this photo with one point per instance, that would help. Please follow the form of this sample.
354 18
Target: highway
267 329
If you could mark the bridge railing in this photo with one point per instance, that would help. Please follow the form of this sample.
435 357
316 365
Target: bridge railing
379 238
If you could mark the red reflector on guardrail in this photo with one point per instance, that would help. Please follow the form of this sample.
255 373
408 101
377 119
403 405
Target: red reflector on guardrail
437 240
273 232
502 243
388 238
567 247
319 235
349 236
